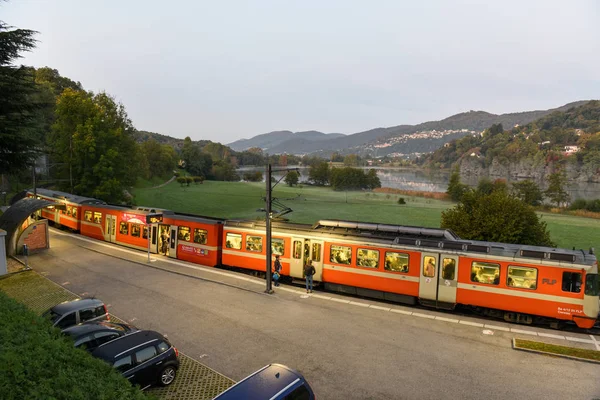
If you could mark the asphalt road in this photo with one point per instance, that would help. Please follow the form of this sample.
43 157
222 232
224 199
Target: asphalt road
344 352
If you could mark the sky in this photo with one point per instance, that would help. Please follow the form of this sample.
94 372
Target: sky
226 70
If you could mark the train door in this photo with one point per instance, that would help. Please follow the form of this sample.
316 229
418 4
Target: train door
153 238
163 239
173 242
316 255
438 280
110 231
297 260
302 251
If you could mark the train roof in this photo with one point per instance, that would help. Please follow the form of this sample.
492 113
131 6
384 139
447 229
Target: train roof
431 238
71 198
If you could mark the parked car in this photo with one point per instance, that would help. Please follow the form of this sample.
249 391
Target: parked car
75 312
275 382
143 357
92 334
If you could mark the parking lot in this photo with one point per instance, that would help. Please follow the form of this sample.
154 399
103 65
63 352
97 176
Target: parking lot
346 347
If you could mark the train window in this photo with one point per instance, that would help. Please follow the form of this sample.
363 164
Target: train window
316 252
124 228
396 262
145 232
87 216
571 282
74 211
591 284
277 246
341 254
483 272
254 243
97 217
200 236
448 268
68 211
297 250
522 277
233 241
183 233
429 266
367 258
135 230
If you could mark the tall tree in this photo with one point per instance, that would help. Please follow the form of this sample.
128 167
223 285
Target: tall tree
17 109
528 192
456 189
319 173
94 135
291 178
556 188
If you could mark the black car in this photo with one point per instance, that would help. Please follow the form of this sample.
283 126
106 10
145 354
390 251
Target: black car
90 335
143 357
75 312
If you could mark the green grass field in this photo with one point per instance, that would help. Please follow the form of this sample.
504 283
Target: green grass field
240 200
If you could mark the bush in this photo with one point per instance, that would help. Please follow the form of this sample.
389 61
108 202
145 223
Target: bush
188 180
182 180
198 179
255 176
39 363
401 200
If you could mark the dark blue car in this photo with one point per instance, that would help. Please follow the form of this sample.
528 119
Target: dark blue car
274 382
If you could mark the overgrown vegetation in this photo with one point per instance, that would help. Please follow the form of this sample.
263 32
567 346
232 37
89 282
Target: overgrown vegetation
37 362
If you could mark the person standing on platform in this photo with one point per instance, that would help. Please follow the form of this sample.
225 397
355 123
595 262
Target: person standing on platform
309 271
276 270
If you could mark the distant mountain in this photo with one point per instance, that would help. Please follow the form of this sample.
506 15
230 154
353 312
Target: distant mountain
401 139
270 141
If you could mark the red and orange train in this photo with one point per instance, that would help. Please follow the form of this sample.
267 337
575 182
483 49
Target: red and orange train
434 267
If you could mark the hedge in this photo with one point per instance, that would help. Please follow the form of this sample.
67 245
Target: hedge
38 362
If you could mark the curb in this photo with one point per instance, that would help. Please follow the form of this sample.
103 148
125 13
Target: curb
515 347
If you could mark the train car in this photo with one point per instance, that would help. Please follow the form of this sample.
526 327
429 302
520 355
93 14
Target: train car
431 266
68 213
190 238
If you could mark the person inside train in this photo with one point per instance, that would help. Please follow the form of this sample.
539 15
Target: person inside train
429 268
496 277
476 274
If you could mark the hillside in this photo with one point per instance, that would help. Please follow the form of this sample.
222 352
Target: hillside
384 141
176 143
569 138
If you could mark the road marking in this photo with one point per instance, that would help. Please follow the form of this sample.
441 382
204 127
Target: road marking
523 331
423 315
320 296
340 300
401 311
379 307
550 335
212 270
498 328
454 321
477 324
574 339
595 342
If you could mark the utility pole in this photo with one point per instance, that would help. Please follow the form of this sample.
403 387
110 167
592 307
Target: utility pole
268 217
34 182
268 223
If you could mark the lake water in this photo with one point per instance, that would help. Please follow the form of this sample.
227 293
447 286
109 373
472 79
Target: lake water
437 181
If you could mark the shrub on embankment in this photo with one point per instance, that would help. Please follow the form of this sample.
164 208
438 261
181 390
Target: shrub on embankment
37 362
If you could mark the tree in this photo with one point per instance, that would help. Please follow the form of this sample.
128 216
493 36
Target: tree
496 217
351 160
528 192
319 173
556 192
196 161
372 180
94 136
17 110
496 129
291 178
456 189
161 159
